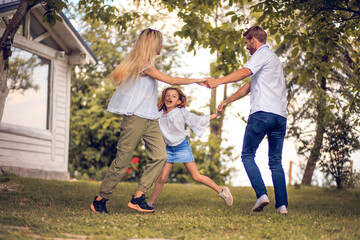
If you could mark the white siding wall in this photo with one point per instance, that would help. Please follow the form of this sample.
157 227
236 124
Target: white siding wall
62 74
24 151
41 153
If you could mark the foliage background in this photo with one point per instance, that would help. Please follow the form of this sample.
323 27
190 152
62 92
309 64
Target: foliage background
318 41
94 132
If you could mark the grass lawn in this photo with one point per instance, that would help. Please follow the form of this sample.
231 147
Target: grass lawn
49 209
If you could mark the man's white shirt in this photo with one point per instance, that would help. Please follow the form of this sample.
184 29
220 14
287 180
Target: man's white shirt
268 88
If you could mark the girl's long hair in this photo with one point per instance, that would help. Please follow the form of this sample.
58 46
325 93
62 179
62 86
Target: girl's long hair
182 98
143 53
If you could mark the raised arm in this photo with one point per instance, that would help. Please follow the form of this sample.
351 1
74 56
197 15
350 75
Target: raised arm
236 76
156 74
243 91
215 115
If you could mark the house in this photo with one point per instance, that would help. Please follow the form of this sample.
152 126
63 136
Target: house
34 130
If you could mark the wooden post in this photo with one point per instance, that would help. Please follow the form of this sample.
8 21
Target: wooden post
290 172
351 165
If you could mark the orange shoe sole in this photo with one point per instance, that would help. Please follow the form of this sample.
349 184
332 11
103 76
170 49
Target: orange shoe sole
138 208
92 207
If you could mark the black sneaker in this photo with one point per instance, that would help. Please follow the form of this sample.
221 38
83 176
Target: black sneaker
99 206
140 204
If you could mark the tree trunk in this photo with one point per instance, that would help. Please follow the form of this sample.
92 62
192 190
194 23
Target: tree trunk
5 49
216 124
3 84
339 183
314 155
320 130
221 118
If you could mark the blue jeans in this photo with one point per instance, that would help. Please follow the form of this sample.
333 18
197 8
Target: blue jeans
274 126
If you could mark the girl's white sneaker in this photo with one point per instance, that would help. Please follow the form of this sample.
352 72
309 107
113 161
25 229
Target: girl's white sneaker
226 196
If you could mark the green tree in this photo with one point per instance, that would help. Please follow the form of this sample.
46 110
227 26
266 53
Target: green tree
320 40
340 141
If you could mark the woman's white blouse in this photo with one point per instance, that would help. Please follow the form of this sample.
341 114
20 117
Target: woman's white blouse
172 125
136 97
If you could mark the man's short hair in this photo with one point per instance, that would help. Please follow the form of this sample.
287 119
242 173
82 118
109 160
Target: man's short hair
256 32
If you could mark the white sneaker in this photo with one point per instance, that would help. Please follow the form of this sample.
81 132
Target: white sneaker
261 202
282 210
151 204
226 196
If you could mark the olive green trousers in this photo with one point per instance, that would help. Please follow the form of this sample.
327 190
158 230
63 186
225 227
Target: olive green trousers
133 129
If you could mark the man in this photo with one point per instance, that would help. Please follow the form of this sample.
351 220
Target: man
267 115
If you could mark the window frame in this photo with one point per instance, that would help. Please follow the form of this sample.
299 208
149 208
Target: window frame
44 51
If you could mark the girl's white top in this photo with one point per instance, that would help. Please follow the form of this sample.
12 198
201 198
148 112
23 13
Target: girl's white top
172 125
136 97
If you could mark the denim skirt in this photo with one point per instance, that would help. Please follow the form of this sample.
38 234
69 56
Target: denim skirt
180 153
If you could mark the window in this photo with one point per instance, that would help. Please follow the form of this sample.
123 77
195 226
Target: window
27 103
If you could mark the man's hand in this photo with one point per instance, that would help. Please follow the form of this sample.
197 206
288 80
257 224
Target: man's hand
222 106
218 113
212 82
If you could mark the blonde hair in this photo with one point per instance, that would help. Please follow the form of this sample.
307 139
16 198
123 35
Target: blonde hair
143 53
182 98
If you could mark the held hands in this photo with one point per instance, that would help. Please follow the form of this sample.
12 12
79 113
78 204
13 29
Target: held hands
209 82
215 115
222 107
203 83
218 113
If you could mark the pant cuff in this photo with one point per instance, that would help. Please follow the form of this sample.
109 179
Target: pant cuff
142 188
104 195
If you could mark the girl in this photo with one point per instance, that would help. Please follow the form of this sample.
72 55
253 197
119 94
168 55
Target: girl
135 99
172 122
